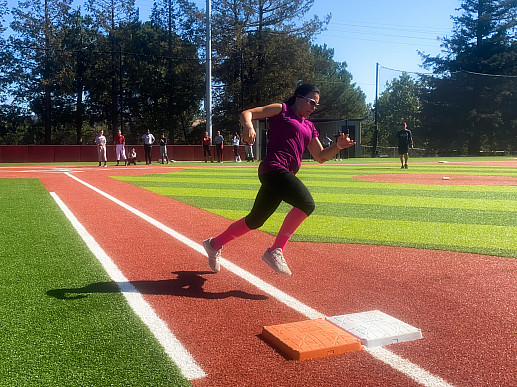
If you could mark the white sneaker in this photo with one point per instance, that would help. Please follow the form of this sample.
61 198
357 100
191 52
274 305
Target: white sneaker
275 259
213 256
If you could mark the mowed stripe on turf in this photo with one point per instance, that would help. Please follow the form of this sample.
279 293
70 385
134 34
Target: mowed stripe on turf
404 366
350 211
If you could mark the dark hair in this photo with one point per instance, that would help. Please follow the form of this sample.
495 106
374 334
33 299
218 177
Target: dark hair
303 89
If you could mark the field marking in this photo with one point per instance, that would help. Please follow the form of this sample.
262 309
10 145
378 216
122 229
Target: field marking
172 346
397 362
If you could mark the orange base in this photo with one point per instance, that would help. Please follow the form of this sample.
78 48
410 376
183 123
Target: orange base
310 339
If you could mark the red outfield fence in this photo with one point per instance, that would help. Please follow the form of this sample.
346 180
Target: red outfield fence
88 153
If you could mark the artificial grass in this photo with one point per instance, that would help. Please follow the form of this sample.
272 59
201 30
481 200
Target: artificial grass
49 339
477 219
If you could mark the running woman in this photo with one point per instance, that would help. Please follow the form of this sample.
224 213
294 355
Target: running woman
290 133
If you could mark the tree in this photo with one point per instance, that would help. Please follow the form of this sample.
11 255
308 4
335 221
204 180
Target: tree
36 67
107 16
5 55
79 46
482 44
261 53
163 79
178 19
340 97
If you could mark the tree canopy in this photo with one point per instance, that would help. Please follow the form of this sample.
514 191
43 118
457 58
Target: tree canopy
469 105
68 72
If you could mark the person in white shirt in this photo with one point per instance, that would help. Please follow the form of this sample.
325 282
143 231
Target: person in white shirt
236 142
131 157
100 140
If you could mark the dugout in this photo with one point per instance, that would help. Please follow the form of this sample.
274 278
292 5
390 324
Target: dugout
329 126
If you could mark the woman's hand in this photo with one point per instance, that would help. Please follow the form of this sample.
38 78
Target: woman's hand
247 116
344 141
248 134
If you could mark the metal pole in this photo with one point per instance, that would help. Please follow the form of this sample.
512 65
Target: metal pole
376 129
208 101
121 91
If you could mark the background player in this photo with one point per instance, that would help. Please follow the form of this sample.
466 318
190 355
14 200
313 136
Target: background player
405 140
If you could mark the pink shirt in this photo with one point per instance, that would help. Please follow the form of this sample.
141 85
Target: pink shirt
288 137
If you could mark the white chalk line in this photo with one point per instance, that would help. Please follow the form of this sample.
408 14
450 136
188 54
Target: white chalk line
402 365
172 346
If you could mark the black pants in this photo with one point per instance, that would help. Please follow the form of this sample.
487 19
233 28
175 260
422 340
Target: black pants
147 150
277 186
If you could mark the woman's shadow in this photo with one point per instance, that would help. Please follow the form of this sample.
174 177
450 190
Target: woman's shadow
186 284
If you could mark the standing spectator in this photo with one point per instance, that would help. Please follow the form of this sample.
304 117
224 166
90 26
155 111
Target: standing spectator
206 147
326 141
148 146
236 142
219 140
290 134
163 148
405 140
100 140
249 151
120 142
338 154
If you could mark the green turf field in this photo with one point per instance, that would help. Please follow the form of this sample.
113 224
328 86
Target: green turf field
478 219
48 339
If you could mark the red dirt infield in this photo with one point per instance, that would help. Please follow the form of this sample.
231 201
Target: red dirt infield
415 178
465 304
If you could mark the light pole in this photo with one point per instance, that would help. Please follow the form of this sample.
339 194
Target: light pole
375 138
208 100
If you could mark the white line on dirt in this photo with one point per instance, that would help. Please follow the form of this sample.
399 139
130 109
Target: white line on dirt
402 365
172 346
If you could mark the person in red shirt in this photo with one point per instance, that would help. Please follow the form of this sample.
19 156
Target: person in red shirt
120 142
206 147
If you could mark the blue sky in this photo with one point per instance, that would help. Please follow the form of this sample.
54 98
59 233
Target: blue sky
363 33
390 33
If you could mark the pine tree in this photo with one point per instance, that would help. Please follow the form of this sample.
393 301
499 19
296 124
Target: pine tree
38 45
107 16
5 53
482 44
261 51
177 18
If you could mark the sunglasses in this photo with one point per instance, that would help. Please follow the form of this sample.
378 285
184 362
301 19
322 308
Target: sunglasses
310 100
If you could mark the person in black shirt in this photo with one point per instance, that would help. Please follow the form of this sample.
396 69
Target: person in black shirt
163 148
405 141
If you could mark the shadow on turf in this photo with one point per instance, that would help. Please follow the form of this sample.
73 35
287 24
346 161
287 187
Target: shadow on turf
186 284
